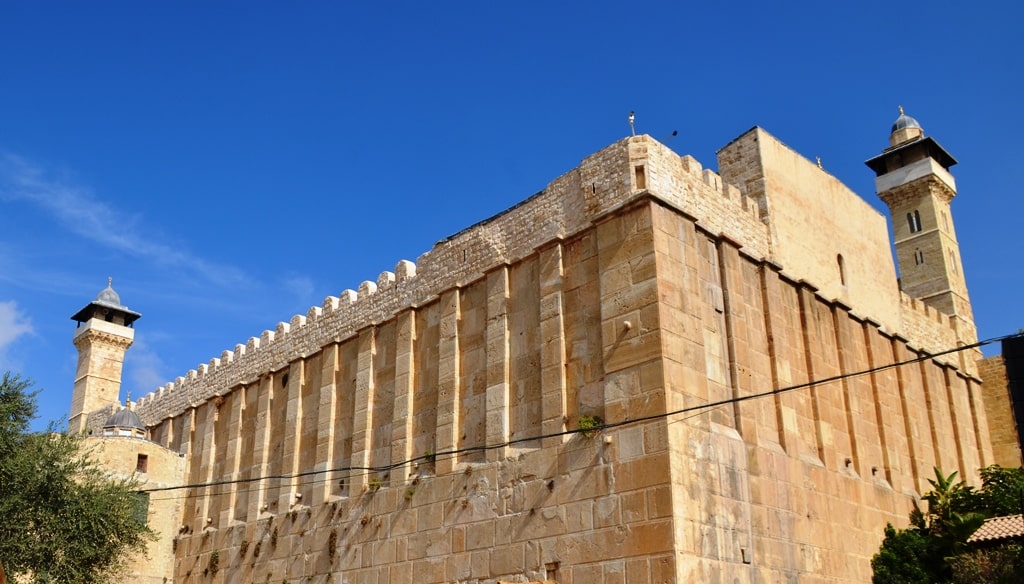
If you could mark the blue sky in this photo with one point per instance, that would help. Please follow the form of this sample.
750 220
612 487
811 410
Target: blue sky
231 165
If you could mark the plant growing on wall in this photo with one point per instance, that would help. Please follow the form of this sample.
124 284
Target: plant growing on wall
590 425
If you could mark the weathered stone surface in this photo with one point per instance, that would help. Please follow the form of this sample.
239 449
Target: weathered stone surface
422 429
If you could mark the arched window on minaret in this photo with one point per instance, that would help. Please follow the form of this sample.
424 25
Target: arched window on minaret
914 221
842 269
918 257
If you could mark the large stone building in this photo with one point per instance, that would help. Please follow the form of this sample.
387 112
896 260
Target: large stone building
727 342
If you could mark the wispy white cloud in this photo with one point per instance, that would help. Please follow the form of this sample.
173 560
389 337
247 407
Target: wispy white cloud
78 211
13 324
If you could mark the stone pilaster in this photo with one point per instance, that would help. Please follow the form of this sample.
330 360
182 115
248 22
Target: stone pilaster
497 362
261 448
362 431
291 434
552 339
207 438
235 405
402 427
326 419
448 390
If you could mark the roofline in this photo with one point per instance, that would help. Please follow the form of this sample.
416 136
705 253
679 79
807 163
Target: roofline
945 158
130 315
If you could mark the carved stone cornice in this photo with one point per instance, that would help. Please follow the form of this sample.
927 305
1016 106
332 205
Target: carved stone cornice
95 337
927 185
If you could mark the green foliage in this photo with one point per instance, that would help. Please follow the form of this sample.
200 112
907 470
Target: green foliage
934 548
1003 564
947 498
590 425
952 514
63 519
906 557
17 409
1002 490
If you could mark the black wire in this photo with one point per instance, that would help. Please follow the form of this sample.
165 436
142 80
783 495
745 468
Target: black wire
923 356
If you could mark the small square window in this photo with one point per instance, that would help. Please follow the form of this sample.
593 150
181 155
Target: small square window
142 464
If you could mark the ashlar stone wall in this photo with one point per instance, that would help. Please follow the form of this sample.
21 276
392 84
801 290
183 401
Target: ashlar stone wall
422 428
999 409
433 444
160 469
797 484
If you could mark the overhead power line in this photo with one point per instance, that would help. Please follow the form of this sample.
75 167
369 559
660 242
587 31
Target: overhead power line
700 408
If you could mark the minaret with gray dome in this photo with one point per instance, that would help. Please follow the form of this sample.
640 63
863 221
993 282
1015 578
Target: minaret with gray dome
103 335
913 179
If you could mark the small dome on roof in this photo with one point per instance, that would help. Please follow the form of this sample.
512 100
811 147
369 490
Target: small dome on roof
124 419
108 295
904 121
905 129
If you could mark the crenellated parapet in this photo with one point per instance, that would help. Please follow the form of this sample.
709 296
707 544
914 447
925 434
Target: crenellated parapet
719 207
632 168
935 331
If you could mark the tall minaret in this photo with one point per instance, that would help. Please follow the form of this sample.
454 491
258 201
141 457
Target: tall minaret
913 179
103 335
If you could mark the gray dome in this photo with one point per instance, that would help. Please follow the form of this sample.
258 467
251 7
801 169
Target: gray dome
124 419
904 121
108 296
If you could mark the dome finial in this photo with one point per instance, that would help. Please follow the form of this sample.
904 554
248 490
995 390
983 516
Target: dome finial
108 295
904 129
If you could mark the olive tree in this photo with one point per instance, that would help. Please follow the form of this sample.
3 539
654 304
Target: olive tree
62 518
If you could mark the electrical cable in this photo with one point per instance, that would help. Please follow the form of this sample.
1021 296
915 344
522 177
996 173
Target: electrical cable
699 409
